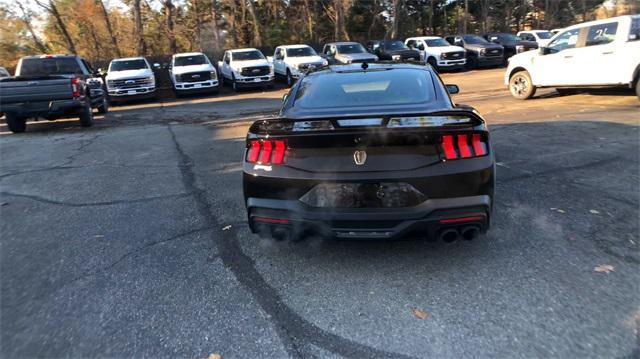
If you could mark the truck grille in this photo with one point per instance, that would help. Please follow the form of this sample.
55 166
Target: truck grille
493 52
456 55
195 76
129 83
304 67
255 71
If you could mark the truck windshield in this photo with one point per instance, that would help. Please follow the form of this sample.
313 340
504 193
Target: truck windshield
50 66
300 52
247 55
124 65
190 60
351 49
394 45
437 43
361 89
544 34
474 39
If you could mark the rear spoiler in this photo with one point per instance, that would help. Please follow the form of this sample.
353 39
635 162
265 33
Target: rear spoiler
455 118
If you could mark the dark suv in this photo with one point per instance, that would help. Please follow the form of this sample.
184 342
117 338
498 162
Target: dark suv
394 50
480 52
512 44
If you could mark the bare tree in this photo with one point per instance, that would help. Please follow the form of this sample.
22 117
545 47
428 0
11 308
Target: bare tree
112 36
466 16
396 19
168 16
25 19
137 14
53 10
257 39
309 19
214 25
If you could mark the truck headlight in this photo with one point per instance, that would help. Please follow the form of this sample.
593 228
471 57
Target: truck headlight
325 62
396 57
519 48
214 74
483 52
177 78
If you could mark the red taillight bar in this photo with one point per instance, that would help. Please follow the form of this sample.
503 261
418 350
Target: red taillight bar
272 220
458 146
75 87
461 219
266 152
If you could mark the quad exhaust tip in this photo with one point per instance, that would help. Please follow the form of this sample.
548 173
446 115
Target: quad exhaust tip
449 235
452 234
470 232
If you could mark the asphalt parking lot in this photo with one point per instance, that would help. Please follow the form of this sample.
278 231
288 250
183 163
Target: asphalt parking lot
128 239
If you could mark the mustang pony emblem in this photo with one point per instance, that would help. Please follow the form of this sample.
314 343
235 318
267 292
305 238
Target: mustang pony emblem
360 157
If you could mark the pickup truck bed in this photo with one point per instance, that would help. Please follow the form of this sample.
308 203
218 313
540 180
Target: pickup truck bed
35 96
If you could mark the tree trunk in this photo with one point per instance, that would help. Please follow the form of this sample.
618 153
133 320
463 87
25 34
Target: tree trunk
214 22
257 39
309 17
431 15
466 15
137 14
25 19
168 14
396 19
446 22
198 21
112 36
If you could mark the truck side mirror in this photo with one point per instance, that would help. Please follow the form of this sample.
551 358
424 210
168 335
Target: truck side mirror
544 51
453 89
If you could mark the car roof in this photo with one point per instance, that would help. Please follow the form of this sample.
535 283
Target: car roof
343 43
602 21
533 31
243 49
298 46
424 38
129 58
188 54
43 56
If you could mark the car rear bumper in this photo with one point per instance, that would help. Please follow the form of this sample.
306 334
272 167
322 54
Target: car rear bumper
43 108
270 218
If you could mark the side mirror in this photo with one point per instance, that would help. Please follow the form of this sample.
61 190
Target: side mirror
453 89
544 51
100 72
156 65
165 66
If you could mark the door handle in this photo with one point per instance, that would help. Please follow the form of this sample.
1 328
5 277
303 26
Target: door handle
607 53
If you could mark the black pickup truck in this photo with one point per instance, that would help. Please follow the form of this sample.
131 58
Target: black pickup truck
51 87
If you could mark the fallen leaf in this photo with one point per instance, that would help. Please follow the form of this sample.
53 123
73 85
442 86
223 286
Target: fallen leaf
604 268
226 228
214 356
420 314
594 211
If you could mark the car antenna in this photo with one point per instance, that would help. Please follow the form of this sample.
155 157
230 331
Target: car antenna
365 66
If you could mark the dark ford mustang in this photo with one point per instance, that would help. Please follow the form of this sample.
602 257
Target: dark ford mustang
370 152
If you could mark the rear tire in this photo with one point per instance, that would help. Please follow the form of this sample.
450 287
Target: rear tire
234 83
289 78
431 61
86 116
16 124
520 86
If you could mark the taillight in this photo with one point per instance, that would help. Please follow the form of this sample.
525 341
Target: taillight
266 152
75 87
463 146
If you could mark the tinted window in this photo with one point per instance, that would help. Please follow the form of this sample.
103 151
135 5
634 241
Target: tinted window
301 52
351 49
474 39
247 55
371 88
601 34
394 45
436 42
507 37
634 32
566 40
50 66
124 65
544 34
190 60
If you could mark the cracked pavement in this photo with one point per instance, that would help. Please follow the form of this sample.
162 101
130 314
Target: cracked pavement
114 243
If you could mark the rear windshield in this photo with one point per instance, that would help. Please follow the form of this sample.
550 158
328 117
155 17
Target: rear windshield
247 55
300 52
190 60
436 42
351 49
394 45
474 39
124 65
371 88
50 66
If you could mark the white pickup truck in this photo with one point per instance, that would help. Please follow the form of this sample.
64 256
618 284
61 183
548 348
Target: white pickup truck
130 78
599 53
192 71
438 53
291 61
245 68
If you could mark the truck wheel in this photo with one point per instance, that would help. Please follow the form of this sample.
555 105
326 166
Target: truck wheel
86 116
520 86
234 84
289 78
104 108
431 61
638 88
16 124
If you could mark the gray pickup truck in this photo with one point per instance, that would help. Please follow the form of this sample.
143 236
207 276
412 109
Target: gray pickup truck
51 87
